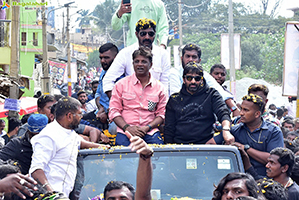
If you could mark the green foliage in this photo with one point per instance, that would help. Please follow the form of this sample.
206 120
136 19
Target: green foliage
102 16
93 59
84 19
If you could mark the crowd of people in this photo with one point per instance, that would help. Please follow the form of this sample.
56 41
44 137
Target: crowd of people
141 100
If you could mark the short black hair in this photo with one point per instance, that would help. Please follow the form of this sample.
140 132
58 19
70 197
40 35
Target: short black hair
94 82
293 133
288 122
272 189
2 121
256 100
44 99
257 88
249 182
13 123
116 185
143 51
145 23
66 105
193 67
58 96
25 118
220 66
190 47
108 46
295 172
286 157
271 105
279 112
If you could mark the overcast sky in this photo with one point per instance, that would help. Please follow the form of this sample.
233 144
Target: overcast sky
90 4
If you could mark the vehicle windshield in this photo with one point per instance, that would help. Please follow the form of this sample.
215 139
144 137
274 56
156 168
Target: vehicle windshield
175 174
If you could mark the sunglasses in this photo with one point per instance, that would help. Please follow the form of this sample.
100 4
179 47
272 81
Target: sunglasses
150 33
196 78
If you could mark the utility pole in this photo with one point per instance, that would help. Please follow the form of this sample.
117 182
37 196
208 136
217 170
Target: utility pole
69 83
106 34
87 44
45 78
231 48
15 56
63 37
180 22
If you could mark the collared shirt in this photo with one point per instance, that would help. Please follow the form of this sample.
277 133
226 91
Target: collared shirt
55 151
123 63
104 99
138 106
176 82
151 9
264 138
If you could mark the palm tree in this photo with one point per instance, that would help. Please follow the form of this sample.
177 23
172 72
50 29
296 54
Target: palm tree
84 19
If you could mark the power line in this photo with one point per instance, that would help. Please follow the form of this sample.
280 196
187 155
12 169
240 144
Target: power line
194 6
171 19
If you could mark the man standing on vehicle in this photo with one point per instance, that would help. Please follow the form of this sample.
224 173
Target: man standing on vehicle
138 102
192 53
123 63
190 113
55 148
137 9
255 135
279 168
108 53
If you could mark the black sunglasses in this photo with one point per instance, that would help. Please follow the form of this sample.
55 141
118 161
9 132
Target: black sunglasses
196 78
150 33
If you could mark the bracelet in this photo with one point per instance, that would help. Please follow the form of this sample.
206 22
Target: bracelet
144 157
150 127
117 15
125 127
226 129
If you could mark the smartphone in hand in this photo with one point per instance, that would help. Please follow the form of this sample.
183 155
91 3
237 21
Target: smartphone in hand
126 1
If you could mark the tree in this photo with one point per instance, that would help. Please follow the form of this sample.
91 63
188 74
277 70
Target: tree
102 15
265 6
93 59
84 19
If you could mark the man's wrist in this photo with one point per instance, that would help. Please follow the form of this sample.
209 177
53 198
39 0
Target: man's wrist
233 108
118 15
125 127
150 127
145 157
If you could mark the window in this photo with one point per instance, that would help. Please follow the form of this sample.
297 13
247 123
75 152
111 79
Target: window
24 39
35 39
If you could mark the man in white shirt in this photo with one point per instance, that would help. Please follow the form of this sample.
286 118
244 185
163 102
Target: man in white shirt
192 53
123 62
55 149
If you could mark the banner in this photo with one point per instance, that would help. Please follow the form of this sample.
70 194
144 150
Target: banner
225 50
57 70
291 59
82 48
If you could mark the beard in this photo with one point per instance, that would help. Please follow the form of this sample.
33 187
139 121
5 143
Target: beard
193 89
74 124
82 101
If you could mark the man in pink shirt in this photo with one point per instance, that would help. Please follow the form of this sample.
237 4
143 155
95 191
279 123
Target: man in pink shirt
138 102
